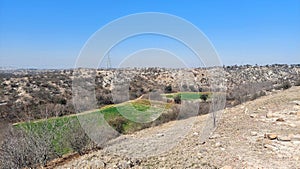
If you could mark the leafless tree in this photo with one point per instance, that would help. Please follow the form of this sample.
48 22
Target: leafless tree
31 143
78 139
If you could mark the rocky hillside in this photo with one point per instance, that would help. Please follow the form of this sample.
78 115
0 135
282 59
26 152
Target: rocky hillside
27 94
263 133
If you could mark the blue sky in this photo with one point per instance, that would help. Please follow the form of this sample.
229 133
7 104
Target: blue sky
50 33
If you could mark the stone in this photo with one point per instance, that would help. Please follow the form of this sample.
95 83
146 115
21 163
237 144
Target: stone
292 125
226 167
98 164
253 133
130 163
138 162
284 138
160 134
296 102
195 134
253 115
199 155
280 119
271 136
266 141
218 144
269 146
270 115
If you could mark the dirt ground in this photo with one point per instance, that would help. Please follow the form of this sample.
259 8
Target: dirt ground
264 133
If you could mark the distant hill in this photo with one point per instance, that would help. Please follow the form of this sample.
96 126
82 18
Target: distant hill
25 92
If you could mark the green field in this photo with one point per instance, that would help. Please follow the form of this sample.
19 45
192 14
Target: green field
125 118
187 95
59 128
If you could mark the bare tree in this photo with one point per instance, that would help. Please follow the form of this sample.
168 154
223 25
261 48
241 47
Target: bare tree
31 143
78 139
24 149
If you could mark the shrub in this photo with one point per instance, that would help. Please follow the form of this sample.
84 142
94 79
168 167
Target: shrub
78 139
171 114
297 83
117 123
188 109
168 89
204 97
23 149
204 108
200 89
177 99
192 88
28 145
286 85
184 87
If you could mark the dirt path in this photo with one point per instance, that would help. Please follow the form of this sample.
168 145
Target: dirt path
264 133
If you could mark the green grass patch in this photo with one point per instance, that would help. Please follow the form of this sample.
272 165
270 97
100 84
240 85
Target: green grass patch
132 116
58 129
55 129
187 95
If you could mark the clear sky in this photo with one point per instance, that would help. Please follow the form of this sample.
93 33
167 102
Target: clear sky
50 33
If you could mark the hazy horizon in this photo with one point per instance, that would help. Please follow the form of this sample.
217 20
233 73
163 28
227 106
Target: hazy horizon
51 34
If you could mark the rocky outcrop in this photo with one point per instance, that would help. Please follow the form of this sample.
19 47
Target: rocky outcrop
28 91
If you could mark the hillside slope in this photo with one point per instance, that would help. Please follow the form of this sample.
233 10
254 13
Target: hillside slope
263 133
27 94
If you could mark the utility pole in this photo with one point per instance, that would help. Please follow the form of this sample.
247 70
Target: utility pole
108 62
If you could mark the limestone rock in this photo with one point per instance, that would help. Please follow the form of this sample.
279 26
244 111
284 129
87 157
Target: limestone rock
270 147
160 135
293 113
253 133
195 133
280 119
271 136
297 102
284 138
270 115
218 144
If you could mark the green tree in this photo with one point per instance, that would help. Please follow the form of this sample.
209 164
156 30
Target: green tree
168 89
177 99
204 97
